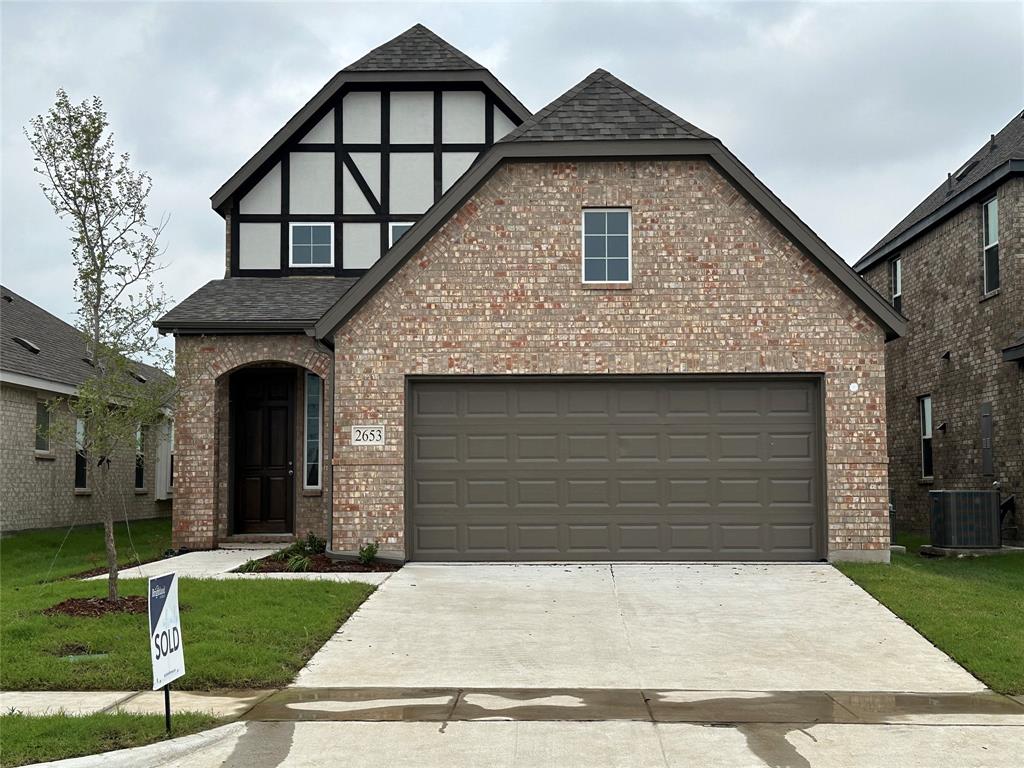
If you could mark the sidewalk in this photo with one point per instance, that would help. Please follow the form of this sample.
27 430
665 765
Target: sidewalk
218 564
222 704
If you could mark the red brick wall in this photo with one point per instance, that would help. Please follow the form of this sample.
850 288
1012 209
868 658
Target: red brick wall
717 288
942 300
204 363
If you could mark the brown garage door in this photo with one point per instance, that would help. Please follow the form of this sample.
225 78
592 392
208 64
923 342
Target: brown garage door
614 468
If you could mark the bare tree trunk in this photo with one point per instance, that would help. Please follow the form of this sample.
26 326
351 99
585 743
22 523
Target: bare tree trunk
108 530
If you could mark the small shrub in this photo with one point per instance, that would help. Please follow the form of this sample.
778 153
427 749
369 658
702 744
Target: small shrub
298 563
368 553
314 544
249 566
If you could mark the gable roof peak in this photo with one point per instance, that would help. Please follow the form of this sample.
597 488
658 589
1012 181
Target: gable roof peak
603 107
416 49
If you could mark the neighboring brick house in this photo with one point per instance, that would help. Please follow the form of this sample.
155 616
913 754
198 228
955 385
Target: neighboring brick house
600 337
955 380
44 483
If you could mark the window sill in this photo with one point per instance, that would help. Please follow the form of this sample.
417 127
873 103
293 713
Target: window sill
926 481
607 286
83 491
989 295
312 491
45 456
141 491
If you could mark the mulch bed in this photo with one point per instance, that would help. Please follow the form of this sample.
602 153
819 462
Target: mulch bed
323 564
120 569
98 606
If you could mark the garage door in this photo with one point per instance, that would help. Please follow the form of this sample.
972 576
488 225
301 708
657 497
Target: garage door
613 468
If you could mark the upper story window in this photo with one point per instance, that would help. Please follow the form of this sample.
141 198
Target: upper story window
896 268
990 227
312 245
397 229
607 245
924 405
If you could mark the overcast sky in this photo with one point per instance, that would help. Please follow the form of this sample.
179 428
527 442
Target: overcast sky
851 113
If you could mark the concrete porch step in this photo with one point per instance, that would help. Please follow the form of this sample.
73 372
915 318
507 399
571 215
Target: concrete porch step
268 541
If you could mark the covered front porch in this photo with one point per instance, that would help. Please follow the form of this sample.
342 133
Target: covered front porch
253 453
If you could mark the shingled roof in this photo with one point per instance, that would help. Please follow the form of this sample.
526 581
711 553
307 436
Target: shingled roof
960 188
415 49
602 107
62 352
255 304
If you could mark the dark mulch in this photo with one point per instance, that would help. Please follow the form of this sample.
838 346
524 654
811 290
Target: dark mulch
322 564
98 606
121 568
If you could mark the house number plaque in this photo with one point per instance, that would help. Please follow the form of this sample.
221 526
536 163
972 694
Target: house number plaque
368 434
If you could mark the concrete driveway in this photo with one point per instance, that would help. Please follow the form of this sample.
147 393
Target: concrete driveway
689 627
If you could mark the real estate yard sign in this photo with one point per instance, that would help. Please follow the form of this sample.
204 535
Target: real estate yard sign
165 645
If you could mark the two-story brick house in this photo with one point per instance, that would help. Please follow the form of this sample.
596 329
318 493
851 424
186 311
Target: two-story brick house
469 332
954 266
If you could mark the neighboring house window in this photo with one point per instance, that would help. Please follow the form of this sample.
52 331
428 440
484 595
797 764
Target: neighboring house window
42 426
925 407
312 245
311 477
170 480
607 247
397 229
140 458
990 214
897 283
81 469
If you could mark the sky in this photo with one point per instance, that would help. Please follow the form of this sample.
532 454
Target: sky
850 112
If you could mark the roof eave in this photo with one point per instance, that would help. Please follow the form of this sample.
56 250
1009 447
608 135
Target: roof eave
207 328
892 322
961 199
1014 353
278 140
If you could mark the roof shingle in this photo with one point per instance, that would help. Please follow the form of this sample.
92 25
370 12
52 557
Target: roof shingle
602 107
271 303
415 49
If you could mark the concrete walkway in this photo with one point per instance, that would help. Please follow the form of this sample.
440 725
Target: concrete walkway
218 564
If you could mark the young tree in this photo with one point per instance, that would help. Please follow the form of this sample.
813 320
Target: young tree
116 255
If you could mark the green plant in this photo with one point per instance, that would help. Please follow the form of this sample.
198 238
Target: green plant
368 553
249 566
315 545
298 563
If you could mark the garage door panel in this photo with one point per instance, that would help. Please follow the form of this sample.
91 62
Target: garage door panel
606 468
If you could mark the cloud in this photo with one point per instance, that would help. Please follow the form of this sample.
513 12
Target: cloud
851 113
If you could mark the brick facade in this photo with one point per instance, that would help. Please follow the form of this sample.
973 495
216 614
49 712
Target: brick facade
202 478
37 490
717 288
942 299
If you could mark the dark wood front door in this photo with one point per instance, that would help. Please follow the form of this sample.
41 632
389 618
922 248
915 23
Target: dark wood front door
263 415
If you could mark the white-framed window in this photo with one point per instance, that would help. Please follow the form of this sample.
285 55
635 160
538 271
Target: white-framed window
896 281
314 419
396 229
924 405
311 244
990 250
42 426
170 479
140 458
607 245
81 462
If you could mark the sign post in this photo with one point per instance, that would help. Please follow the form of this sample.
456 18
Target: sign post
165 645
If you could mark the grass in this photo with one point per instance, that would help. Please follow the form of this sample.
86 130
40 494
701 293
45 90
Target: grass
970 608
29 739
237 634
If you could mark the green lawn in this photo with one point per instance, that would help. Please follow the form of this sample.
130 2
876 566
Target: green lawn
237 634
971 608
56 737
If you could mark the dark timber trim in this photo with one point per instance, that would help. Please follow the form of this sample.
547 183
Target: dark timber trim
328 95
521 151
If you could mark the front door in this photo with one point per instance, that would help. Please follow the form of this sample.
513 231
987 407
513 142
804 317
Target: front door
263 415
